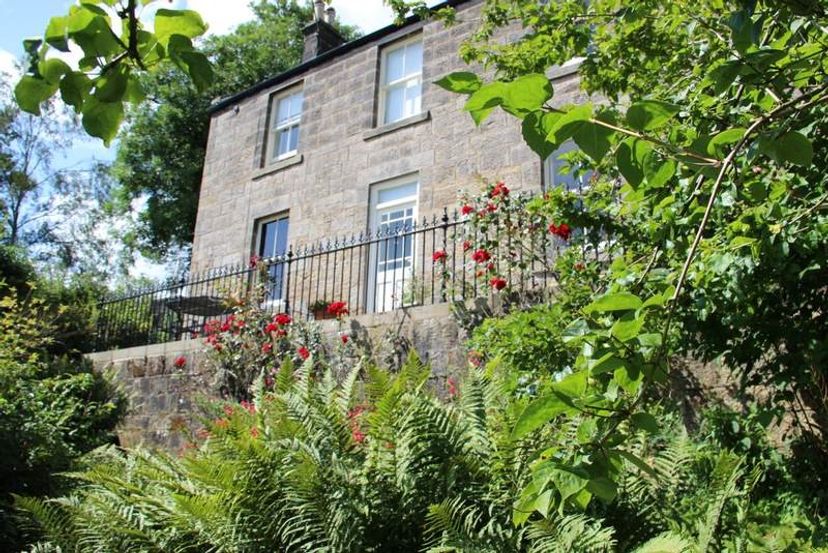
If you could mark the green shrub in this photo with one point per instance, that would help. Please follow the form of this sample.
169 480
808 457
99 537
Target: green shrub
528 341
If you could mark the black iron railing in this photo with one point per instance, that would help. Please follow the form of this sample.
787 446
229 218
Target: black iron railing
390 269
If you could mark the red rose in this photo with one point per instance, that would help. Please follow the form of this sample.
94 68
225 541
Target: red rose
338 309
467 245
466 209
481 256
490 267
562 231
344 338
499 190
439 255
180 361
490 207
303 353
282 319
498 283
267 347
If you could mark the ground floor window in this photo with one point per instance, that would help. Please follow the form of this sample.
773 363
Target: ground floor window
272 243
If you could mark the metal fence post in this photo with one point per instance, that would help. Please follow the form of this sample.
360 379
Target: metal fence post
444 226
289 257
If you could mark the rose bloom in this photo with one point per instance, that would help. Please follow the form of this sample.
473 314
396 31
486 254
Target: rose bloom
267 347
466 209
338 309
498 283
303 353
499 190
481 256
282 319
562 231
344 338
439 255
467 245
180 361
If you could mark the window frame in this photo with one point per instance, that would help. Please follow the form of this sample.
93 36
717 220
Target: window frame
384 88
258 245
274 129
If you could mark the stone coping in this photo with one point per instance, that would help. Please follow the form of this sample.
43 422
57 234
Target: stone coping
407 122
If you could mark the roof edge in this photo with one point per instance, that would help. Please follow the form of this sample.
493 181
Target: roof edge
324 57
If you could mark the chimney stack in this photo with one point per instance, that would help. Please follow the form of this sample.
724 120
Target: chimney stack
321 36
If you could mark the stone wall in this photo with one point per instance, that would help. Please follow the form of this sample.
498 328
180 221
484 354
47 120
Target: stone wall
325 188
164 398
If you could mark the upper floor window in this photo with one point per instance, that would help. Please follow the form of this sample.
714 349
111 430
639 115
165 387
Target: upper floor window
285 119
401 78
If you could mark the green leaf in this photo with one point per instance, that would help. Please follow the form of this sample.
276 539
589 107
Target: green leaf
794 148
186 23
568 482
620 301
481 103
102 119
645 421
649 115
638 462
199 69
627 327
30 92
527 94
730 136
603 488
538 413
74 88
53 69
574 330
535 128
56 33
629 379
658 171
112 86
607 363
79 19
593 139
630 157
461 82
568 123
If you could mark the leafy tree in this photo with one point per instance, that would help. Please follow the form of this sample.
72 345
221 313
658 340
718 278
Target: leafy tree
161 154
108 75
52 409
708 142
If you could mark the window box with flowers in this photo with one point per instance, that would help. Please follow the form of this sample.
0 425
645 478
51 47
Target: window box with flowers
319 309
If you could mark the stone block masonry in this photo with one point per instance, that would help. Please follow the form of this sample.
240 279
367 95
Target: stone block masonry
163 398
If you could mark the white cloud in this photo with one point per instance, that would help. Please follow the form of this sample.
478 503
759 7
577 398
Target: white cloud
7 63
368 15
222 16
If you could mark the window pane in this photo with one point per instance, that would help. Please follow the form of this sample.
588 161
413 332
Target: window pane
413 58
284 141
413 93
395 63
293 138
394 102
397 193
273 240
296 104
284 111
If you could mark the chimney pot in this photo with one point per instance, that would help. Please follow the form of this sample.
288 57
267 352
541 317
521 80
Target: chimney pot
318 10
330 15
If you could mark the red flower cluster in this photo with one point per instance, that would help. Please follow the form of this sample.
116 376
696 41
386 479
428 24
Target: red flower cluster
344 338
356 432
452 387
439 255
280 320
499 190
561 231
180 361
498 283
231 324
251 408
338 309
303 353
466 209
481 256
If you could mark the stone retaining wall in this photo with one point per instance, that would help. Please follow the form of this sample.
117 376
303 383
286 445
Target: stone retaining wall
163 398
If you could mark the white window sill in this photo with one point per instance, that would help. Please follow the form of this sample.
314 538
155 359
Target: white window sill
278 166
402 123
